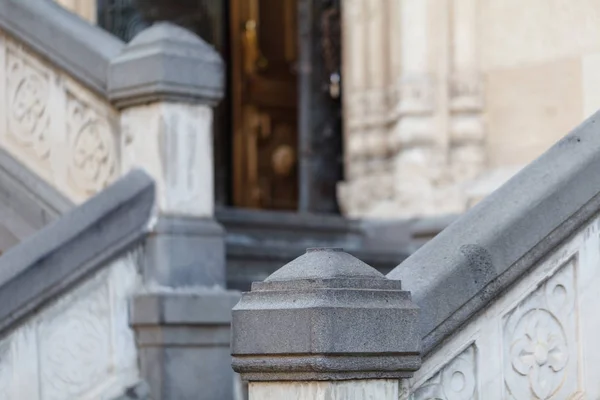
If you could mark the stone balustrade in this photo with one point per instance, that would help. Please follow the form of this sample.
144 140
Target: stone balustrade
506 296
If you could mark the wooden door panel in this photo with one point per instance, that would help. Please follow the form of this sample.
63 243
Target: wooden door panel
265 103
272 93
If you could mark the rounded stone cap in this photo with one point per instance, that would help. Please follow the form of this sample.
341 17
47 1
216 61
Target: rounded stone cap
166 62
325 316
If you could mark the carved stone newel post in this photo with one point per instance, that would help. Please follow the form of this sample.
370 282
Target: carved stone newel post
165 83
325 326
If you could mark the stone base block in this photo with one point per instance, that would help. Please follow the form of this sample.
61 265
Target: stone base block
183 344
184 251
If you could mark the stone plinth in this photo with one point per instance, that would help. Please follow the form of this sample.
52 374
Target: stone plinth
325 317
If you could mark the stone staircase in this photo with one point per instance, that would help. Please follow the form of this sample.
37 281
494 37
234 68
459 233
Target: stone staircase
115 282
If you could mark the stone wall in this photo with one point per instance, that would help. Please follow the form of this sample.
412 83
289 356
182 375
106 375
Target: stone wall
444 100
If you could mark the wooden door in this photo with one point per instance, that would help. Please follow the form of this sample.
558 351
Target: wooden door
264 103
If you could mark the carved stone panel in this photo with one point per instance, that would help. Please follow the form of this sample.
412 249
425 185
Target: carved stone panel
75 347
26 103
457 380
28 97
78 347
57 128
93 147
540 341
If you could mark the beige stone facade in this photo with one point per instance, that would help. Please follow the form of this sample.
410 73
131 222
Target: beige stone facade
86 9
446 99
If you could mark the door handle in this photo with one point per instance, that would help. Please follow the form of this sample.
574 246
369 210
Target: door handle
257 127
253 58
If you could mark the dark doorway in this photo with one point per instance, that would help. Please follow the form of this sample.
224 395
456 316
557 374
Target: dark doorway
277 134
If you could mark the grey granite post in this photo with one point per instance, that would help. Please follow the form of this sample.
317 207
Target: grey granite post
165 83
325 326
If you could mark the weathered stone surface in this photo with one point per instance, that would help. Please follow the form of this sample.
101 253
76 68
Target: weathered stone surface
185 251
166 62
377 389
42 357
173 143
81 242
325 316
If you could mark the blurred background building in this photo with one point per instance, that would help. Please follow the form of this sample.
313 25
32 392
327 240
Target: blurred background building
445 100
442 100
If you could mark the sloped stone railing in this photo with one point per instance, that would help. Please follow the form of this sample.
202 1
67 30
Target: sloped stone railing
508 291
65 293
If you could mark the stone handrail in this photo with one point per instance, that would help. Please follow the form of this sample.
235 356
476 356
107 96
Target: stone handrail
480 255
83 240
65 293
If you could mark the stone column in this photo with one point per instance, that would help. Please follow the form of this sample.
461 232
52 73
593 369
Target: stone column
467 153
416 156
353 89
366 88
165 84
325 326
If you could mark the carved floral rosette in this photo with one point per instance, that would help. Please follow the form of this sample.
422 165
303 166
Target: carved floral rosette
93 159
28 96
540 341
